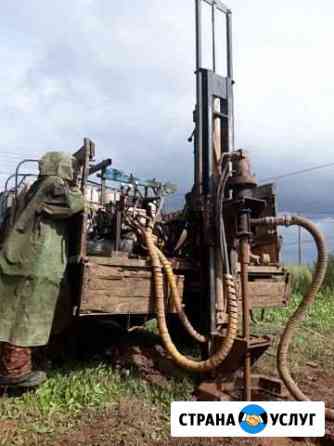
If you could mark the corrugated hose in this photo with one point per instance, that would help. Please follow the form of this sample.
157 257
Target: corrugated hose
299 315
177 299
232 327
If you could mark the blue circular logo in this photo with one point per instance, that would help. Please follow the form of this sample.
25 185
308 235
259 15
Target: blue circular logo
253 419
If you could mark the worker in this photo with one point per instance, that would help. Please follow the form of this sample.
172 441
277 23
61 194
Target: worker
33 260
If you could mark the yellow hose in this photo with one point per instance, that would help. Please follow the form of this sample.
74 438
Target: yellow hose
299 314
177 299
225 347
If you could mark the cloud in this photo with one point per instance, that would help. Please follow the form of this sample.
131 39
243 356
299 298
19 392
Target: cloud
122 74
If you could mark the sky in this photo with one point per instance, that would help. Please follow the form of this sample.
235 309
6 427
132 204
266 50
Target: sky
122 73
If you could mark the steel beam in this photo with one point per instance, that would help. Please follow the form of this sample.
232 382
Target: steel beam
219 5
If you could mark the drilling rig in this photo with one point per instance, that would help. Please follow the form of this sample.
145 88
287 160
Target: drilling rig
201 270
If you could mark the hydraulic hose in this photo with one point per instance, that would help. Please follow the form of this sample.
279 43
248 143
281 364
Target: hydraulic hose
227 342
177 299
299 314
219 216
174 290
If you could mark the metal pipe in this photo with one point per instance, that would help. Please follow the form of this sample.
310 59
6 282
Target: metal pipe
229 48
219 5
231 141
87 152
17 172
199 111
198 34
8 180
100 166
213 30
244 263
243 191
23 175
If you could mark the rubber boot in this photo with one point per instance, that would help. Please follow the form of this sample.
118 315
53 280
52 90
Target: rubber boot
16 367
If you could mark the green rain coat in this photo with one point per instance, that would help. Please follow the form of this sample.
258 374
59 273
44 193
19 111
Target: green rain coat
33 258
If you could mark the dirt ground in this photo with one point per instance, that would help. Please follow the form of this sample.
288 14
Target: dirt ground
133 422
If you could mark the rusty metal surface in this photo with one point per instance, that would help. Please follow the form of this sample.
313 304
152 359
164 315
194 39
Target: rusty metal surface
266 240
233 364
264 388
244 262
242 177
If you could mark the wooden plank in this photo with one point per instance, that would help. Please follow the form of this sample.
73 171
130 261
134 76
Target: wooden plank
119 290
118 273
268 293
263 269
99 302
109 273
144 291
118 261
122 290
118 306
125 261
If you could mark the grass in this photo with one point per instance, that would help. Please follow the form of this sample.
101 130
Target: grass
59 403
320 317
78 389
314 339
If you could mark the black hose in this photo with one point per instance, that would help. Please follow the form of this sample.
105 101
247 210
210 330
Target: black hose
221 233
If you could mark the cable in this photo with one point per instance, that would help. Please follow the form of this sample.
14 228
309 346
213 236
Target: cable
297 172
222 243
307 242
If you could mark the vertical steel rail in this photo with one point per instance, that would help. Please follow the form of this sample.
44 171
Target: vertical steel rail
229 50
213 27
199 108
206 165
198 34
